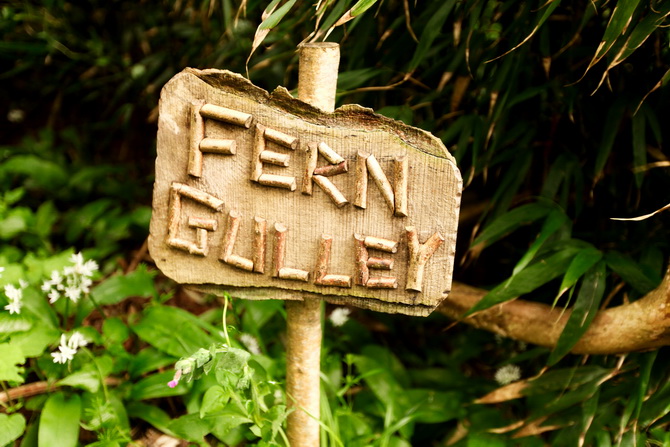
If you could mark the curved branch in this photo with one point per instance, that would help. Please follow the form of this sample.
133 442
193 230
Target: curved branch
641 325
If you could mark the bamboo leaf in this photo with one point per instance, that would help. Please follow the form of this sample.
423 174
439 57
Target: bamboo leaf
510 221
527 280
432 30
554 221
361 6
583 312
631 272
641 32
664 81
580 264
621 18
551 5
275 17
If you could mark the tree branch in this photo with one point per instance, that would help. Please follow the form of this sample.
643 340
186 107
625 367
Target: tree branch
641 325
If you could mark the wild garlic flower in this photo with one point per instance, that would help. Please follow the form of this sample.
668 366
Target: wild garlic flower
339 316
250 342
15 296
73 282
2 269
68 347
507 374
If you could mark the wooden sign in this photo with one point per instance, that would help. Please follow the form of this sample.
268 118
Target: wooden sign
267 197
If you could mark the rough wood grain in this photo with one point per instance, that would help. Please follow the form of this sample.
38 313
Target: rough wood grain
415 163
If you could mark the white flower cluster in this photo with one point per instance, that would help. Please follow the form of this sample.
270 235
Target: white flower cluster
68 348
14 295
251 343
73 283
339 316
508 374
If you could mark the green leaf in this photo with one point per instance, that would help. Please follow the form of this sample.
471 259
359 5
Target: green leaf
34 342
619 21
361 6
59 422
156 385
10 357
151 414
433 407
431 31
11 428
510 221
214 399
554 221
147 360
44 174
631 272
12 323
583 312
138 283
529 279
85 380
276 16
565 378
170 330
191 427
584 260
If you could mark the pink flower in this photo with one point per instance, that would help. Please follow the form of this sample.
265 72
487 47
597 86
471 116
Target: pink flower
175 381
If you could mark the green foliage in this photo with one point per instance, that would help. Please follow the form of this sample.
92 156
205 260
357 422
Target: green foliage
554 111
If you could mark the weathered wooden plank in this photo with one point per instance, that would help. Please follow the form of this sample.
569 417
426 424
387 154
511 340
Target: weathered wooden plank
412 200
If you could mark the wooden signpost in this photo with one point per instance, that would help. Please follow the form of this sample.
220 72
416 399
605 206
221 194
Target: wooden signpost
269 197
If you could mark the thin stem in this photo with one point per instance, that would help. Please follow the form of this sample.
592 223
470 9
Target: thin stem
6 390
225 324
97 367
97 306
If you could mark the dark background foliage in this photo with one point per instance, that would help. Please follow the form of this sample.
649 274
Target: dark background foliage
78 114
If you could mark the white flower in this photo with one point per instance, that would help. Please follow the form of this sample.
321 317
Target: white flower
74 281
507 374
76 341
339 316
14 307
68 348
2 269
15 296
13 293
16 115
251 343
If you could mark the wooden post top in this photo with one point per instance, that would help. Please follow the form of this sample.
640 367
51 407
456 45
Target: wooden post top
267 197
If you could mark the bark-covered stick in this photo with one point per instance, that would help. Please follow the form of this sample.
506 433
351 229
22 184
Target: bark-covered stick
317 82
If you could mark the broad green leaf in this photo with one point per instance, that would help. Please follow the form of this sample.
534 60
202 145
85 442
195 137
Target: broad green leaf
647 362
171 330
12 323
277 15
554 221
156 385
589 410
191 427
10 357
214 399
433 407
380 380
86 380
151 414
583 312
510 221
527 280
45 174
631 272
35 341
138 283
581 263
639 146
432 30
59 422
11 428
147 360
